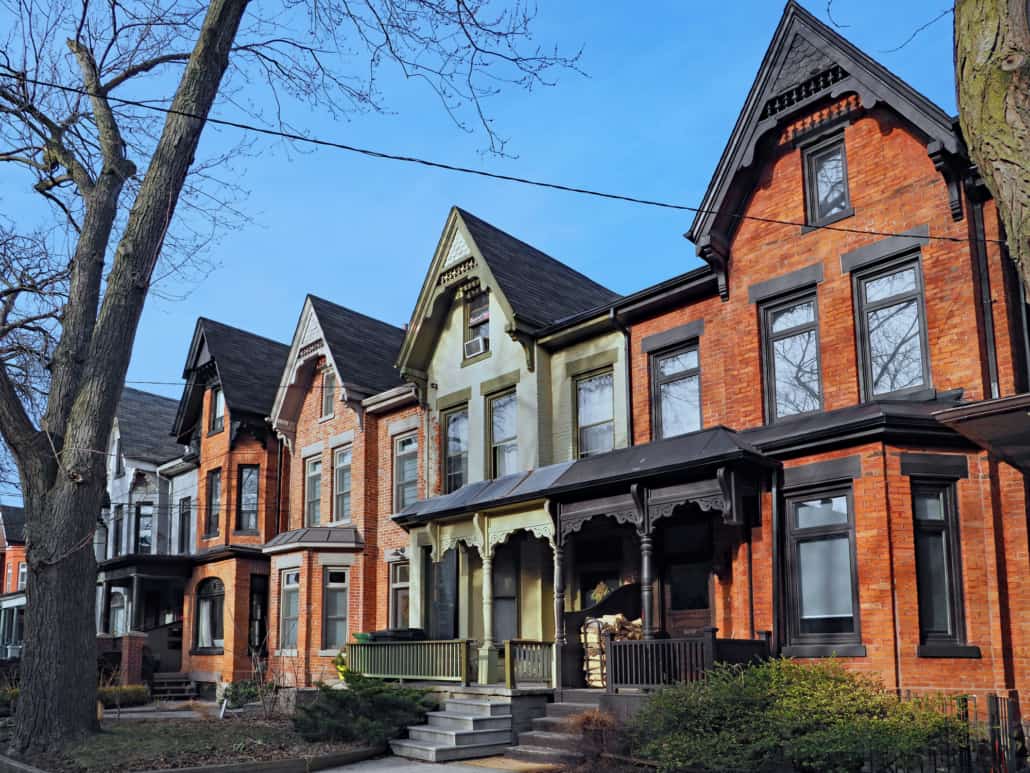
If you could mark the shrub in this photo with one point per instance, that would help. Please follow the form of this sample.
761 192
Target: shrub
128 695
367 710
785 715
239 694
8 701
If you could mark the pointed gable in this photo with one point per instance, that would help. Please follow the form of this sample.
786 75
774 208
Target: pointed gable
807 63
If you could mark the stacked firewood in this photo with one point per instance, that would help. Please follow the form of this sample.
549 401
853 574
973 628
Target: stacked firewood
592 636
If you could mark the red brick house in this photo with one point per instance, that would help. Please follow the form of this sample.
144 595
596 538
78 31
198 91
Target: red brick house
13 576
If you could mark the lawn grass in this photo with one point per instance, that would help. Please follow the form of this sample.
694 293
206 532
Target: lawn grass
154 744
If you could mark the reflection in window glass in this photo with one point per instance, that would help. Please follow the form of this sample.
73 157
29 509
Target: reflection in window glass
677 398
504 435
595 407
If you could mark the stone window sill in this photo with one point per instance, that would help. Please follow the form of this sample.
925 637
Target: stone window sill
849 212
207 651
285 653
330 653
824 651
945 650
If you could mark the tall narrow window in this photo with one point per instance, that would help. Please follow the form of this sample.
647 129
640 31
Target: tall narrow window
334 609
23 575
405 471
289 612
399 585
826 182
210 603
313 492
118 531
477 325
328 392
595 414
144 527
504 440
892 330
116 614
185 522
456 444
938 567
119 460
214 503
823 592
248 476
217 421
791 341
341 484
9 584
676 392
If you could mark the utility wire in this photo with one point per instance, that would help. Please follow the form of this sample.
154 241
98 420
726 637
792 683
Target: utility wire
477 172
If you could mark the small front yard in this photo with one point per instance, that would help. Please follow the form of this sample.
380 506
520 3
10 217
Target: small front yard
152 744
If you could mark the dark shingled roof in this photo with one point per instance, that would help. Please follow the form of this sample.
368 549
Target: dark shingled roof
13 519
364 349
144 423
540 289
249 366
329 536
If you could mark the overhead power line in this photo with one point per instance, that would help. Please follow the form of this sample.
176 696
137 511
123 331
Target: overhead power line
378 154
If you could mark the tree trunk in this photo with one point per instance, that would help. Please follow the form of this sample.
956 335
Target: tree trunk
992 68
56 704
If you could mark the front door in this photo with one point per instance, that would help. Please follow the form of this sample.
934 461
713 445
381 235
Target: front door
686 583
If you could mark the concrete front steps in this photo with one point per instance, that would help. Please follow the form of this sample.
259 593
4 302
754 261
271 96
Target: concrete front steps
467 728
554 739
173 687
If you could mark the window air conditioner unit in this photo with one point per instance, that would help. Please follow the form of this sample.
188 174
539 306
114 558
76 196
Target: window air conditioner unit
476 346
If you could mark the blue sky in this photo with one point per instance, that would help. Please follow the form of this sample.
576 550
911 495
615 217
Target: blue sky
650 119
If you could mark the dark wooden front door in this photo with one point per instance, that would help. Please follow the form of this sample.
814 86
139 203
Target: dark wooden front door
686 577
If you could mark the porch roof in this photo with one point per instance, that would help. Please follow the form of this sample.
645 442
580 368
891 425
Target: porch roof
1002 426
316 537
704 448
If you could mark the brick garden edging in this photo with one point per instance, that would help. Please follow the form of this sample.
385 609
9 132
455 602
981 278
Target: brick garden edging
294 765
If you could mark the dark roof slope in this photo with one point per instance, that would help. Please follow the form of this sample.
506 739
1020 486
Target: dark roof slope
249 366
540 289
13 519
145 422
364 349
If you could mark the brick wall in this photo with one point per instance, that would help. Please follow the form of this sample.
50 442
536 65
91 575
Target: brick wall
14 556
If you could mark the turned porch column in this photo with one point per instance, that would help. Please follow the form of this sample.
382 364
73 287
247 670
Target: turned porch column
488 662
559 613
646 583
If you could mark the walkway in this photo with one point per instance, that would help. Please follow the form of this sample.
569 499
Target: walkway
401 765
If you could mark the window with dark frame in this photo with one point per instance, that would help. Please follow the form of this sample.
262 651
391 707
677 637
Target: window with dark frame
793 381
23 575
827 197
118 530
405 471
217 422
185 521
456 448
477 318
892 329
595 413
248 476
313 491
144 527
399 587
341 483
822 585
289 608
214 503
938 563
334 609
209 634
119 460
675 391
328 392
503 434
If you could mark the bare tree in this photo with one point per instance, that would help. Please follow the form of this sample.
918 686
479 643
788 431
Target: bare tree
78 84
992 67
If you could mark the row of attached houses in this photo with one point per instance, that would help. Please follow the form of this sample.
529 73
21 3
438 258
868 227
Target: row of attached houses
815 441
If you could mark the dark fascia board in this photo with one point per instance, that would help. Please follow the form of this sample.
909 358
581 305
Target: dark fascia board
818 473
951 466
882 249
580 328
222 552
673 336
677 291
795 280
873 82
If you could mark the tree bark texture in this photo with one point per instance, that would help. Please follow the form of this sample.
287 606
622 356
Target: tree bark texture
63 464
992 68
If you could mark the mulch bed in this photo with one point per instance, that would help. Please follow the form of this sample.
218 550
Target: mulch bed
152 744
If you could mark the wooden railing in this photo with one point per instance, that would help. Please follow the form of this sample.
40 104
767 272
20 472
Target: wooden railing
438 661
527 661
656 662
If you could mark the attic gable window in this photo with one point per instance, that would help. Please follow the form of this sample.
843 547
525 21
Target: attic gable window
477 325
217 422
827 198
328 392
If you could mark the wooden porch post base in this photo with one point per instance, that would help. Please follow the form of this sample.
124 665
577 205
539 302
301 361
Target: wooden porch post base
489 665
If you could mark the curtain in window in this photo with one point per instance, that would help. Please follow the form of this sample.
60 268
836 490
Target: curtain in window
204 637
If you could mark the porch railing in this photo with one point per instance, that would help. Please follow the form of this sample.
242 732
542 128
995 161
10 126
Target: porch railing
655 662
440 661
527 661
